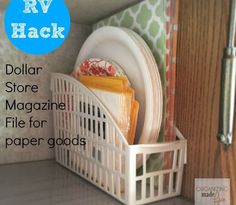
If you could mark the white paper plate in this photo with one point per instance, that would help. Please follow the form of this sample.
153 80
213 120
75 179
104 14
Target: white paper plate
116 44
156 81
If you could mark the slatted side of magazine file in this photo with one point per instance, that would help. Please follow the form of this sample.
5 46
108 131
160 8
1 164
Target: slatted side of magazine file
84 117
156 185
107 160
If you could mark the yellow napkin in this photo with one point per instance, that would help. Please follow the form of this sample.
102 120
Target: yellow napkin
118 98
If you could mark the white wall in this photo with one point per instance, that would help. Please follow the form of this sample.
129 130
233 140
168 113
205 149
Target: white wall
60 61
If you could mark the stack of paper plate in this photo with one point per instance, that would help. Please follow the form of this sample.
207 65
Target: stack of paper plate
128 50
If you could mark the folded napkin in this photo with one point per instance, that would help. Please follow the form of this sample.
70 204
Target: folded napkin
118 98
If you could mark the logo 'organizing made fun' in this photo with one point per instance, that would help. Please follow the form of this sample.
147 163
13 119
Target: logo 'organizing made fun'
37 26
